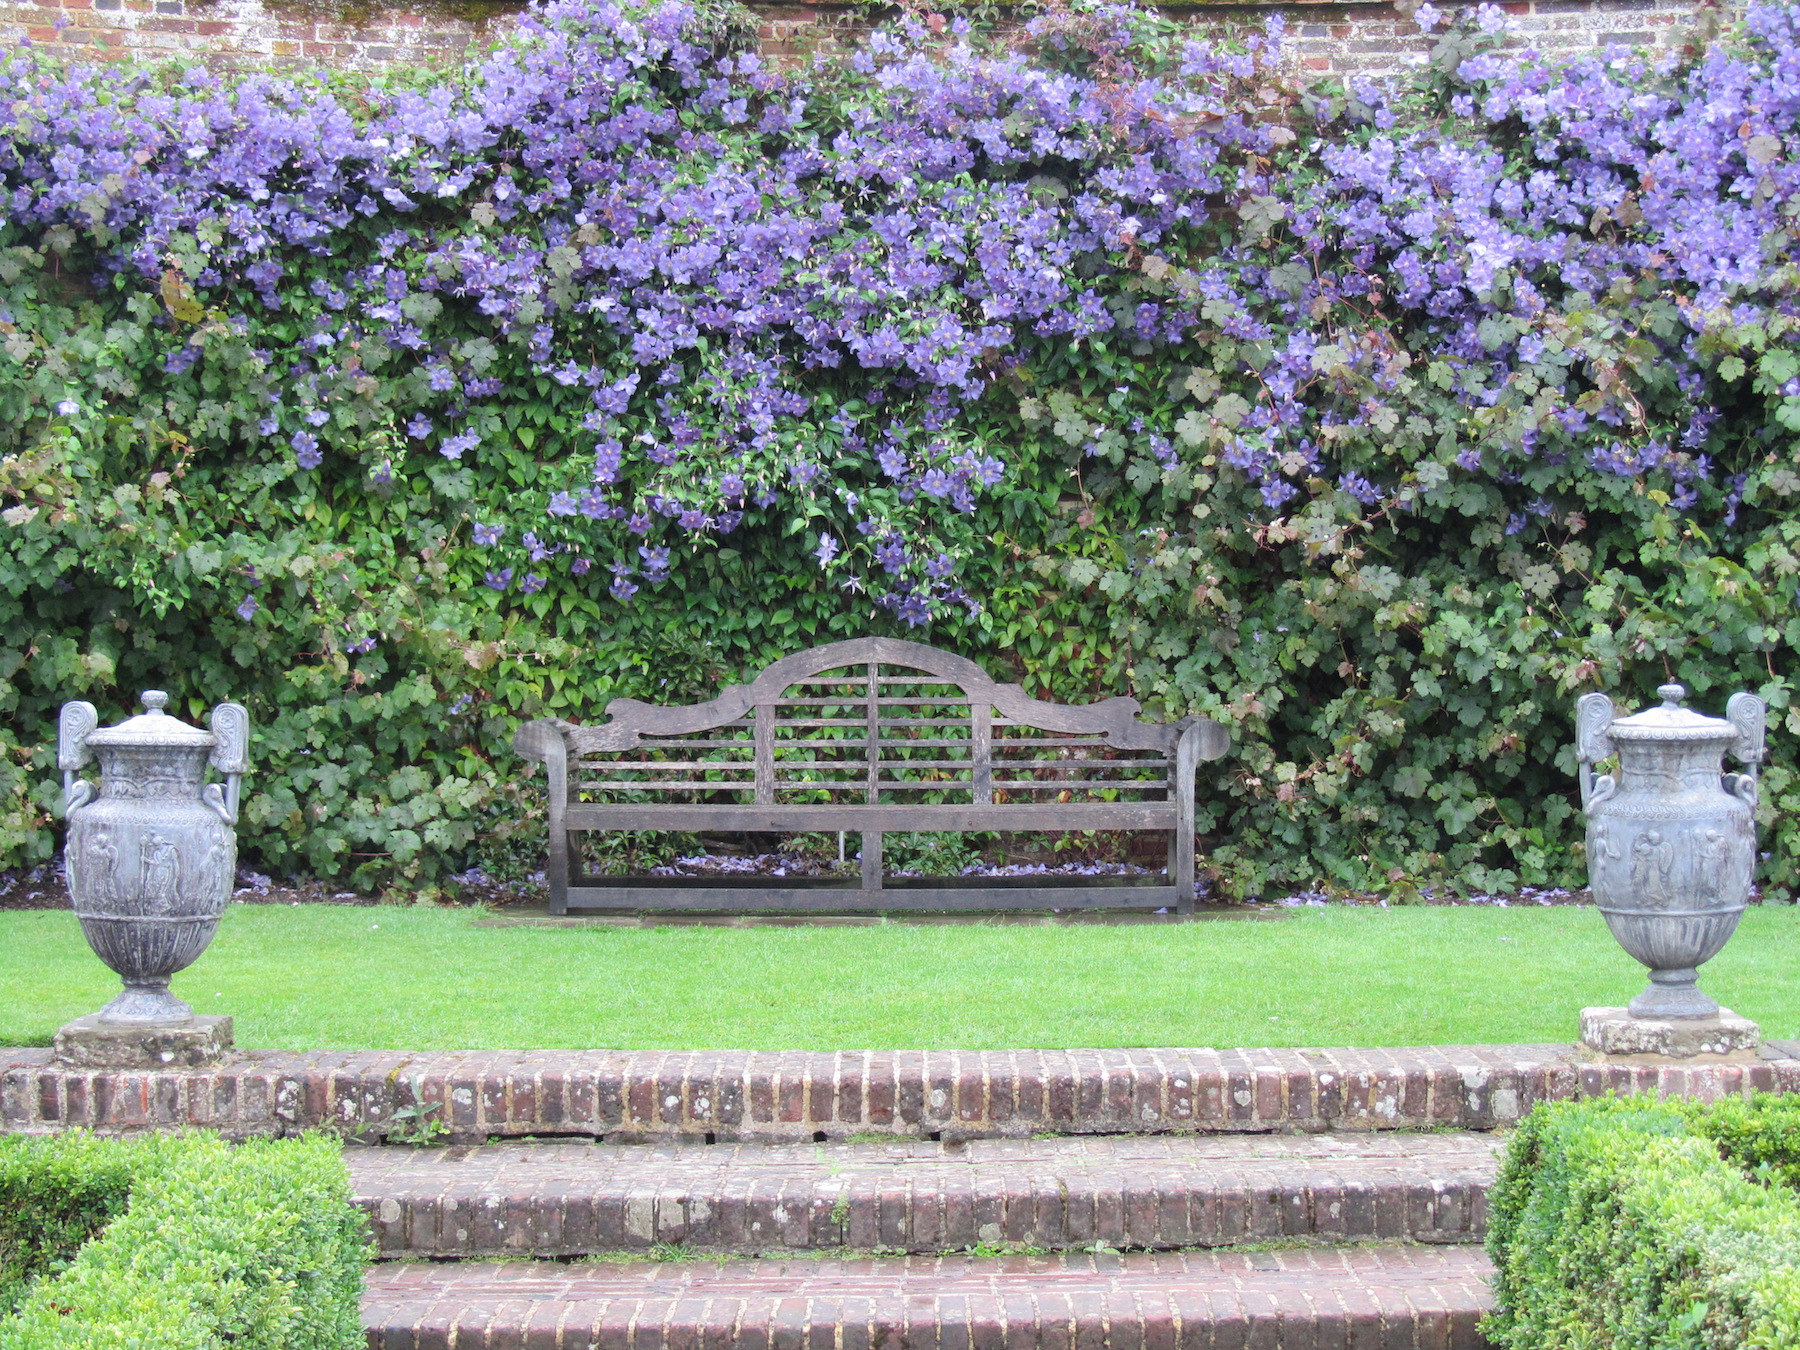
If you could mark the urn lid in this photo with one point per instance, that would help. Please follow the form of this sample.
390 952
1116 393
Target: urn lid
153 728
1672 722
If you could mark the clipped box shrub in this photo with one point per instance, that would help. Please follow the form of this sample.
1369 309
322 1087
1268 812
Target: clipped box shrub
177 1242
1623 1224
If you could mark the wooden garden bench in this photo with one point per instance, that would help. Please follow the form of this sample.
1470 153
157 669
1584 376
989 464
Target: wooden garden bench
872 736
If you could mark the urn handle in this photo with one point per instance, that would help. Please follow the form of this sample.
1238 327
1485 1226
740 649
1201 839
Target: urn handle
230 756
1742 786
224 807
1750 715
77 722
1593 743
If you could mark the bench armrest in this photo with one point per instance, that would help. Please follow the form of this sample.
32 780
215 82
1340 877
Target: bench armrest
1211 740
543 740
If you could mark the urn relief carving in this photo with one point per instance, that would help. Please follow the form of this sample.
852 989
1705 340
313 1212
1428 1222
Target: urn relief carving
1671 838
152 850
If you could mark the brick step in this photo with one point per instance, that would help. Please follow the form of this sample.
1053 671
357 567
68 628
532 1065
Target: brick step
746 1095
1381 1297
572 1199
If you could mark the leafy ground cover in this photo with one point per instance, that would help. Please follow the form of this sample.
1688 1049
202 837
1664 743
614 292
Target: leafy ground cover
1377 423
422 979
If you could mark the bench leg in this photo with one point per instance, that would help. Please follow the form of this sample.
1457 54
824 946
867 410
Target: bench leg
558 871
871 860
1181 876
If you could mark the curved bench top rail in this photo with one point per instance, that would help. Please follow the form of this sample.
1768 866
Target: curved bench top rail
630 720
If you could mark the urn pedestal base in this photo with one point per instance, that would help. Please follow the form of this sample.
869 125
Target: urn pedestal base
90 1043
1614 1031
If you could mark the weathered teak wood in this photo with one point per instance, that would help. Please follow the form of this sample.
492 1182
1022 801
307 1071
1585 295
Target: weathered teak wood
873 736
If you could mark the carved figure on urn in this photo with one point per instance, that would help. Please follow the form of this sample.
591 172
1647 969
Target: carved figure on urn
1671 840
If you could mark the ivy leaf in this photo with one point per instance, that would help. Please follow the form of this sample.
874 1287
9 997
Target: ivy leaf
1230 410
1495 331
1291 277
1081 572
1199 383
1540 579
1762 149
1260 215
1192 428
203 559
1782 481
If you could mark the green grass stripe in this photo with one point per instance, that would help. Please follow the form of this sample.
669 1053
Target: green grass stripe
427 979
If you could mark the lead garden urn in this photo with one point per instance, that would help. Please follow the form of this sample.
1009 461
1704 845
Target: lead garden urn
150 859
1671 846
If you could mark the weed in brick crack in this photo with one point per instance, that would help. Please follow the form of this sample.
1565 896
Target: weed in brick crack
416 1125
1005 1249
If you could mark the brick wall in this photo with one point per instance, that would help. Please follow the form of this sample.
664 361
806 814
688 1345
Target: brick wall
1331 35
255 32
1325 35
1340 37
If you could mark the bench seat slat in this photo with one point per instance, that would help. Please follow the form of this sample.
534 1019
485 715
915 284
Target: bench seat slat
883 816
685 785
667 766
860 762
999 784
749 896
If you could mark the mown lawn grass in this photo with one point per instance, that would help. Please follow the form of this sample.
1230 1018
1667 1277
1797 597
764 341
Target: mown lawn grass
326 976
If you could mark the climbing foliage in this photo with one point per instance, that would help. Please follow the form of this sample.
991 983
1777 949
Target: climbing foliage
1378 421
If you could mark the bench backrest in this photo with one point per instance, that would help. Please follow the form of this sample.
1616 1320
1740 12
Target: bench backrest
874 720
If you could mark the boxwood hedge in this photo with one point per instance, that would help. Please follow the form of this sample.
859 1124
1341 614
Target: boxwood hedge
1672 1226
177 1242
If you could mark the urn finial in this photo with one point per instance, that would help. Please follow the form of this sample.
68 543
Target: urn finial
155 700
1672 694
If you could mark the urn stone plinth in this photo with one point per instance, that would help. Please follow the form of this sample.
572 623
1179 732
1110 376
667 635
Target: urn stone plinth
151 853
1671 839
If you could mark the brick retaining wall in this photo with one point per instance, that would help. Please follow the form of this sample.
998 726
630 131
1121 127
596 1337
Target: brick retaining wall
1326 35
734 1095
